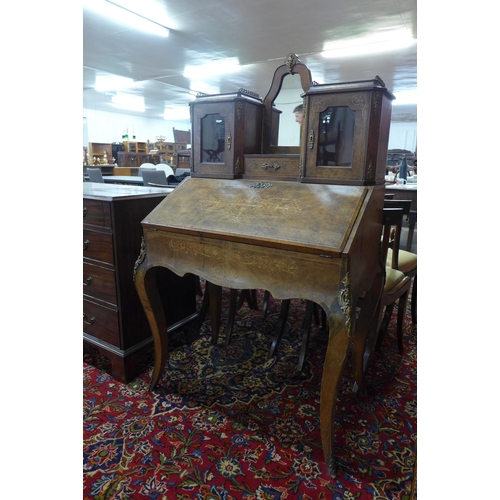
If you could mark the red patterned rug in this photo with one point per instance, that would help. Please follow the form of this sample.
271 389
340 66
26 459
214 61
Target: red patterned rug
225 423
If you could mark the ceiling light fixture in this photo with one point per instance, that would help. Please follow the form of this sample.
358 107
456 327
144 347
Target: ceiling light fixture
373 44
112 82
127 101
120 11
213 68
405 97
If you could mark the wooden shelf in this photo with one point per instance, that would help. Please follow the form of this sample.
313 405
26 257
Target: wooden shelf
135 147
97 149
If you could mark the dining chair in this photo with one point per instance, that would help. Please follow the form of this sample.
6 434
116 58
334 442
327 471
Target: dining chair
145 166
166 168
397 283
95 174
407 260
155 178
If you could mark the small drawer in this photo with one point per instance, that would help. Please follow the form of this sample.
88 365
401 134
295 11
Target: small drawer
99 283
96 213
98 246
273 166
101 322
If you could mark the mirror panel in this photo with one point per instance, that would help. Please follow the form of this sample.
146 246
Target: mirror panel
272 117
336 137
285 102
213 132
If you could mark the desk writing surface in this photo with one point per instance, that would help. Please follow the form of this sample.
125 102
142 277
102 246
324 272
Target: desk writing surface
313 218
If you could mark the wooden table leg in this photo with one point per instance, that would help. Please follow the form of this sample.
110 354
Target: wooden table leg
335 359
149 295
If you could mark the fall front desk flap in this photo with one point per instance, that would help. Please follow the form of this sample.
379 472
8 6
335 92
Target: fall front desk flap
312 218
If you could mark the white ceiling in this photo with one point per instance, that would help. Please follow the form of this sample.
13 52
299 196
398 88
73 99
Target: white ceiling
259 33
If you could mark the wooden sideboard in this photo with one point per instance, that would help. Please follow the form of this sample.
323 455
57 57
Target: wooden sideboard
113 319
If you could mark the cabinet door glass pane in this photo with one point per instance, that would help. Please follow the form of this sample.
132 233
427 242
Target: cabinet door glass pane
213 132
336 136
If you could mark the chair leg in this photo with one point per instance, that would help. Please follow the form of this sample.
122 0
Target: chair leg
414 301
232 314
199 291
205 305
265 304
285 306
251 297
306 329
384 325
215 299
401 319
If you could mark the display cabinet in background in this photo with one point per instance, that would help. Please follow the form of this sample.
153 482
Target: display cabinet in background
135 160
99 150
135 147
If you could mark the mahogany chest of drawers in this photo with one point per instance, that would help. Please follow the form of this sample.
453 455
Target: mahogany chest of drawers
113 318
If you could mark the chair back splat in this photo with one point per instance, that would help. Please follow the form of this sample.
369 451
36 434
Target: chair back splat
156 177
95 174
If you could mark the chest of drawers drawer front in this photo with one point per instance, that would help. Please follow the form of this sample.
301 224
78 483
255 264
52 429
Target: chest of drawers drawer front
98 246
101 322
96 213
99 283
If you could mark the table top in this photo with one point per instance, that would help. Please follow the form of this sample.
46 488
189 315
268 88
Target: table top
402 187
98 190
124 179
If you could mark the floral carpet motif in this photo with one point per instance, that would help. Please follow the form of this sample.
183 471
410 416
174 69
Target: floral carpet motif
227 423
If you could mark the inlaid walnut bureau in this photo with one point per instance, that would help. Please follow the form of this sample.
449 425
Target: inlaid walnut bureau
113 318
311 232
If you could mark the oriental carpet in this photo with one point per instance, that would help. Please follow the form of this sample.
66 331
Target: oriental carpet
226 423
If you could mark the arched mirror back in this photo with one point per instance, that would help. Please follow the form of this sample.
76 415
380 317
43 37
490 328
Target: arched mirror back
291 66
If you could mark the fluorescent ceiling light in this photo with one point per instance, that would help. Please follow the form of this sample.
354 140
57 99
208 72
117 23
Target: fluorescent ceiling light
213 68
127 12
127 101
180 113
405 97
373 44
112 82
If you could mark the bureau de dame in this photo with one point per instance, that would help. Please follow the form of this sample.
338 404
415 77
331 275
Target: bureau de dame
298 221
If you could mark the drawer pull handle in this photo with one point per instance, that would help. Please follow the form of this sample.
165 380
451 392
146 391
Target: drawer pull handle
86 244
88 281
86 319
266 165
84 211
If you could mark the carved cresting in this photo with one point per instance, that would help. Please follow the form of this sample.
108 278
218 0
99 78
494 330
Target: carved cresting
291 61
345 299
140 259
